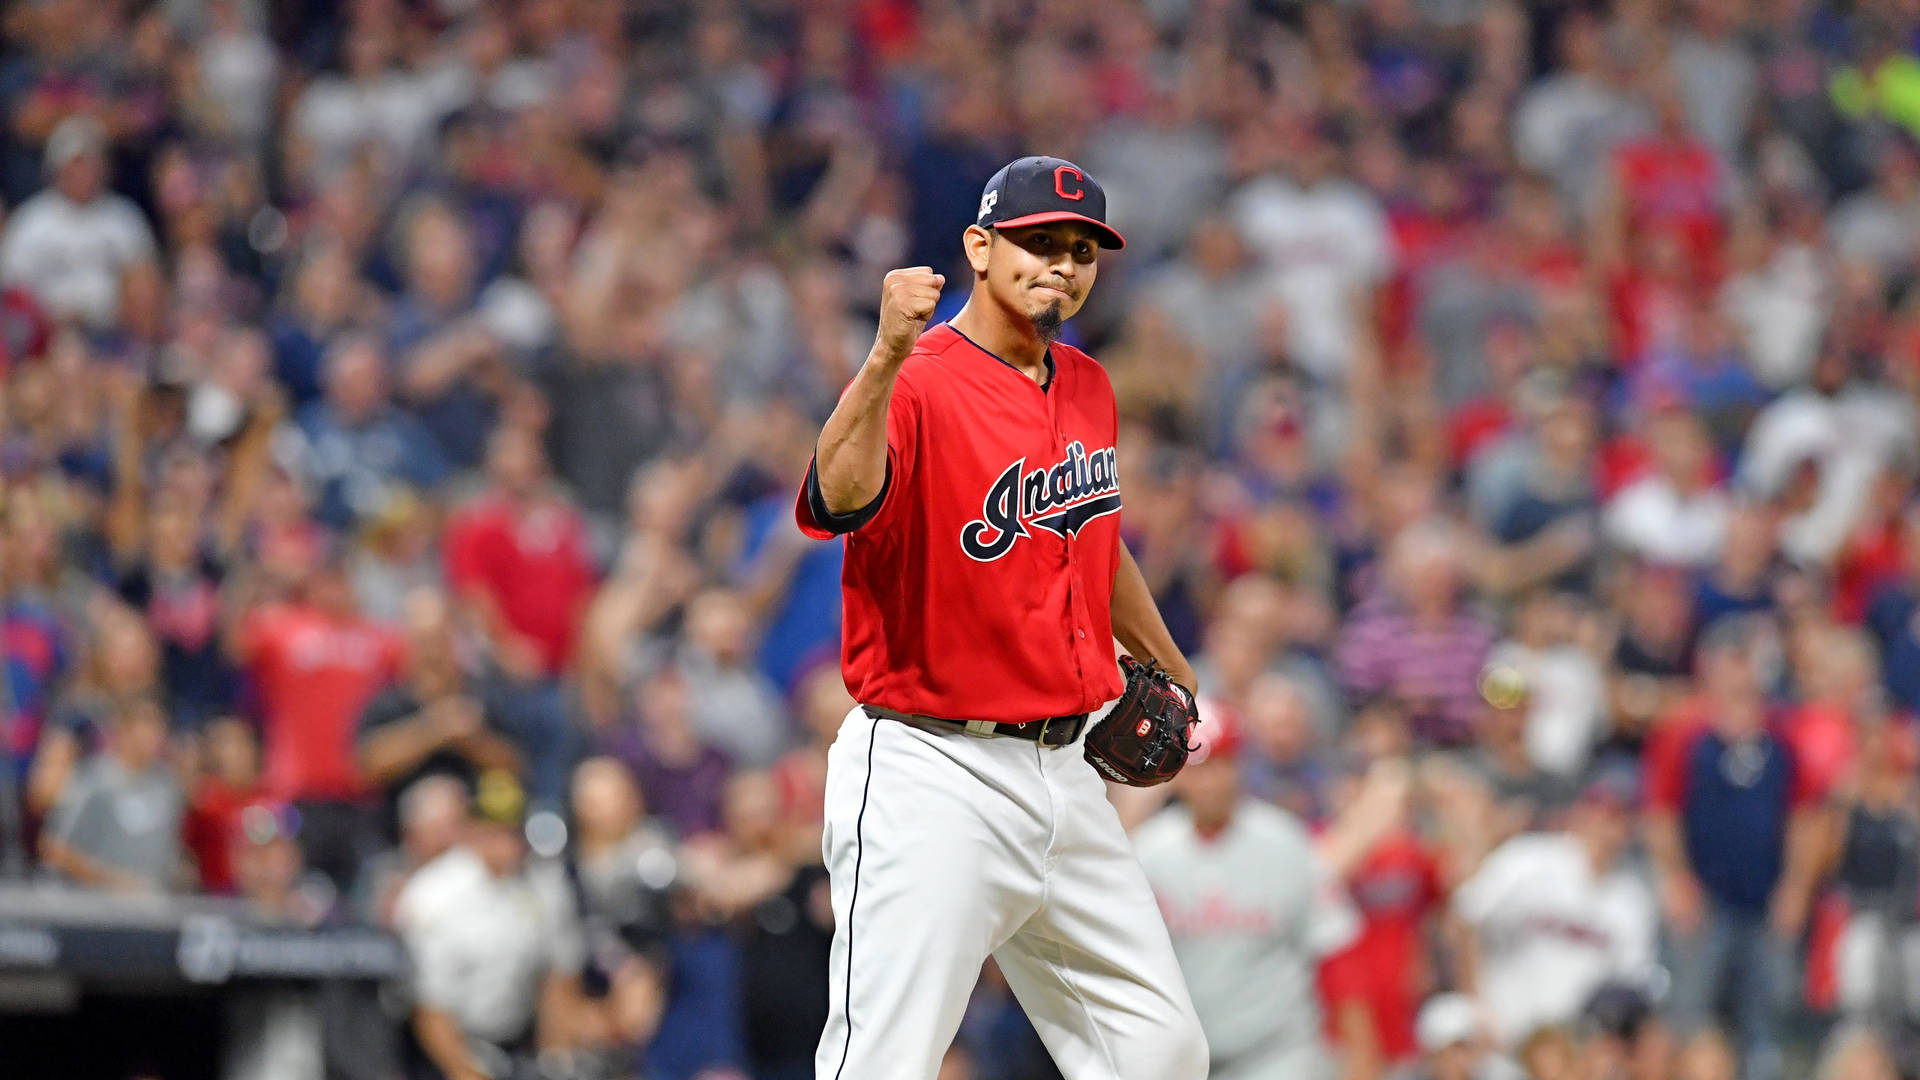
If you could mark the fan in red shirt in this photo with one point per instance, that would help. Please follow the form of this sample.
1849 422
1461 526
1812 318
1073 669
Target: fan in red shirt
518 558
315 664
1374 986
1670 180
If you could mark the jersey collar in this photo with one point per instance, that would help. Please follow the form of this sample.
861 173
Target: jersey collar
1045 386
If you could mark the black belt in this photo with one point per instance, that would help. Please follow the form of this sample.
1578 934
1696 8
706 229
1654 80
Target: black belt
1052 731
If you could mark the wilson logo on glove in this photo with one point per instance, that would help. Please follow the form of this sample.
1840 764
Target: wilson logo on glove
1143 739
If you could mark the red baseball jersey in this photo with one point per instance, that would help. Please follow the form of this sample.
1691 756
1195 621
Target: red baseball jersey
979 586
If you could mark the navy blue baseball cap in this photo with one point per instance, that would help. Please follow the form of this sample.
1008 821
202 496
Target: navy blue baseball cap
1038 190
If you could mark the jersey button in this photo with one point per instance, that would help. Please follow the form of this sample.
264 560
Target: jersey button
1083 635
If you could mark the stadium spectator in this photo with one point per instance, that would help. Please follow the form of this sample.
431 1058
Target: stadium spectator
1247 902
317 664
117 825
1554 915
360 447
76 243
1417 642
432 720
1732 833
1452 1045
496 947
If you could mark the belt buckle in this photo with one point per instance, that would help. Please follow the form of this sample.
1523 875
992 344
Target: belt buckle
1046 726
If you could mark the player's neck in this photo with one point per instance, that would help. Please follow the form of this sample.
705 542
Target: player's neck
1012 340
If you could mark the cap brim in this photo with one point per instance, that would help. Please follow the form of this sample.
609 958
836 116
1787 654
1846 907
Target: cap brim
1108 237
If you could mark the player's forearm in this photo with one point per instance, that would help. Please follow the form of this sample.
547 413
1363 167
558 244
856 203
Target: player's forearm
1137 624
393 751
441 1041
1665 846
850 460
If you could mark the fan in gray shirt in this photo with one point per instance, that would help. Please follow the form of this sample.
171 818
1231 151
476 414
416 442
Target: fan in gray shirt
117 824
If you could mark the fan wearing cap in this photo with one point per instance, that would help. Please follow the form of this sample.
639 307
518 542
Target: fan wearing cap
495 943
1252 910
73 244
971 469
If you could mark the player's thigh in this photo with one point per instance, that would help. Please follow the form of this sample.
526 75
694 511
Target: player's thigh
1094 967
925 882
1112 1015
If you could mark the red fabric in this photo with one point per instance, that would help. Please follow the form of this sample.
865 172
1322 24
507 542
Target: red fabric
1825 746
1672 742
1421 241
1622 461
1647 311
1869 559
1473 425
802 782
533 564
982 588
1394 888
315 675
1828 922
1674 186
211 824
1666 755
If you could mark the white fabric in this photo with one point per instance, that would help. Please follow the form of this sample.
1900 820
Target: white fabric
1781 309
1651 519
482 946
947 848
71 255
1324 249
1551 931
337 116
1567 696
1251 913
1851 436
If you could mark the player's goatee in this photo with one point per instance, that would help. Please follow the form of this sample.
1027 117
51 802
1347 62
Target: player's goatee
1048 322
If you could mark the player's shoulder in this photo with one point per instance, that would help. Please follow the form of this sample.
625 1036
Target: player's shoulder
1168 830
437 887
1272 823
1534 851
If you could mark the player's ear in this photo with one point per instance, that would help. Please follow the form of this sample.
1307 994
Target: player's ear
977 240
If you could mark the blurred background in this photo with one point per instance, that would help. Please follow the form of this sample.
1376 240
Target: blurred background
411 666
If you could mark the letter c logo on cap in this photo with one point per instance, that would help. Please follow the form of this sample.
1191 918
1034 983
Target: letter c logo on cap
1060 183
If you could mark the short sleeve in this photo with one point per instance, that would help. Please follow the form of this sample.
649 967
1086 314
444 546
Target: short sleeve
1480 896
465 552
566 942
1331 923
1805 789
390 707
1666 765
903 440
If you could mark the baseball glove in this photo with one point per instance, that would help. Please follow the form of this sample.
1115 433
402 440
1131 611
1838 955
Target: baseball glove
1142 741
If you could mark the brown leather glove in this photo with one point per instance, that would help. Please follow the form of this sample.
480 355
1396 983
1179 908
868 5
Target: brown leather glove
1143 739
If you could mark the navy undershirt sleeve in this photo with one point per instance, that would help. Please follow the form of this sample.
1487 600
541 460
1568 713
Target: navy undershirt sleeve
852 519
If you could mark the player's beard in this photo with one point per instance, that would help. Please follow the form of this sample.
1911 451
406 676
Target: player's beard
1047 321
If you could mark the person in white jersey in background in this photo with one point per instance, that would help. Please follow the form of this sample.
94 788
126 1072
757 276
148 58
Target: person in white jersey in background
1251 909
1550 916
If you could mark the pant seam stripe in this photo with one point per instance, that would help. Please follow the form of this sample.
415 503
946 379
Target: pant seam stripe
859 852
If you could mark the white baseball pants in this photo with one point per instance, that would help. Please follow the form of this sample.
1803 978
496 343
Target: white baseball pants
947 848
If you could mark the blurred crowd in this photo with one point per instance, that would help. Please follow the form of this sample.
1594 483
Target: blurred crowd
402 403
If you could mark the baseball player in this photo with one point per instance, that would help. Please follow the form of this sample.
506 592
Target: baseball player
971 469
1251 909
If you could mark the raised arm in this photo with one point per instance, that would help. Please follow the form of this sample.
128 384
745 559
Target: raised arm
850 461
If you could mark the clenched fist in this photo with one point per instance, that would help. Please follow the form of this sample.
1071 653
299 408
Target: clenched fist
907 299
